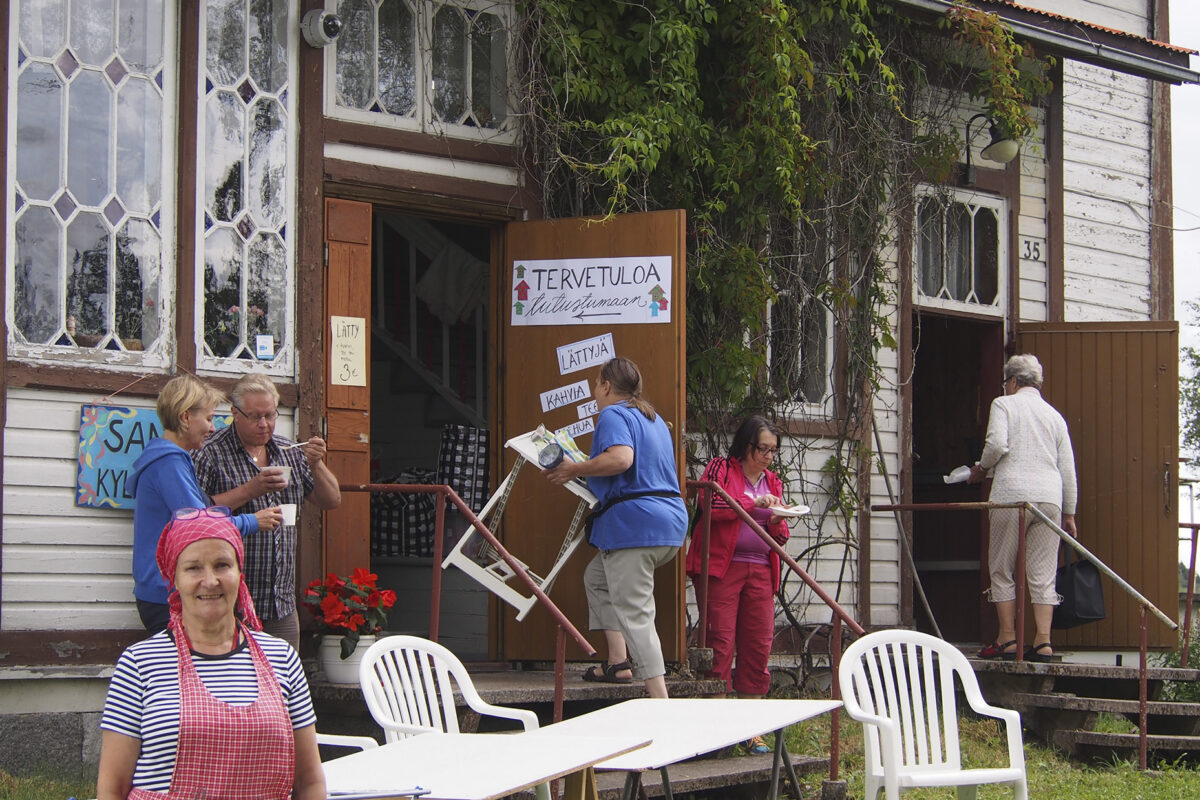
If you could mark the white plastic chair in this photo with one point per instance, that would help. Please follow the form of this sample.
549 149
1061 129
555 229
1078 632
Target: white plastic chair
406 683
900 685
340 740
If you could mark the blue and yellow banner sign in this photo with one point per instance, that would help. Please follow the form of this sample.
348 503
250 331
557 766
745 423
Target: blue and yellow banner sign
110 440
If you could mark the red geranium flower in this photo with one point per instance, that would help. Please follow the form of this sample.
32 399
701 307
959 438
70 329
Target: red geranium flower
349 607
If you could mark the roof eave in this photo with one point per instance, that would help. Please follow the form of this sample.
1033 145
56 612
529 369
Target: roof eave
1169 68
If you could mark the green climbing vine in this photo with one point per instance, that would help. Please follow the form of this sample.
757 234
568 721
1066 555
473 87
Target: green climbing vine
1009 75
794 133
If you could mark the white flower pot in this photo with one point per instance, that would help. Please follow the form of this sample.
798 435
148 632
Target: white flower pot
336 668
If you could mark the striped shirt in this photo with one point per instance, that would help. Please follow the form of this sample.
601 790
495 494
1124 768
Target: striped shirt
143 696
222 465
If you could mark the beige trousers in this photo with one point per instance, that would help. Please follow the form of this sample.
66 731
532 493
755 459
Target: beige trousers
1041 555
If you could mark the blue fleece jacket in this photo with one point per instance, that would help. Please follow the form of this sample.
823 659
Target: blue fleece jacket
162 481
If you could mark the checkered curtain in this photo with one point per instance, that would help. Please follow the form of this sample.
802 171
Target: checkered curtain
463 463
403 524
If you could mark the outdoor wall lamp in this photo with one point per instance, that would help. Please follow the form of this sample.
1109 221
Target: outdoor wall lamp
1000 149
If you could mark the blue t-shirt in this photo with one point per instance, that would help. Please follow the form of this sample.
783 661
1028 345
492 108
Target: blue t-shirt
644 521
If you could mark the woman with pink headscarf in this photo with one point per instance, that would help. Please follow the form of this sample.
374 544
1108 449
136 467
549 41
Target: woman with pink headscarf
211 707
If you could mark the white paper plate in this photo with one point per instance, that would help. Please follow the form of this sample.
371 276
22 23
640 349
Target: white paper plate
797 510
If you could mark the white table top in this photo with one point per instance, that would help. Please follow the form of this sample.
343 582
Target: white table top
685 727
470 766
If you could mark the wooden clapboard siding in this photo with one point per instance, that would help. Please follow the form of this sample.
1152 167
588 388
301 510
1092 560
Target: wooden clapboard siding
1117 385
1106 194
66 568
1124 15
1032 277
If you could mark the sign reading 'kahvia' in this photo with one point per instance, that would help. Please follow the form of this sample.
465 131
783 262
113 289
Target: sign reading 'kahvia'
587 291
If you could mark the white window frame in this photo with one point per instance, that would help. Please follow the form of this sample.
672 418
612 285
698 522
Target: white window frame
424 121
168 228
970 198
798 409
284 364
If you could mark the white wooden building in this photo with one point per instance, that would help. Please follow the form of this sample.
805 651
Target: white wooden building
184 178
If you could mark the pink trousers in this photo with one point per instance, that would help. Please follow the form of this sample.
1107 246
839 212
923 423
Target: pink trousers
741 620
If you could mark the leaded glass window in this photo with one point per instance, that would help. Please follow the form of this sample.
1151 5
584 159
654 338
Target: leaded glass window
246 183
88 239
800 344
959 246
429 66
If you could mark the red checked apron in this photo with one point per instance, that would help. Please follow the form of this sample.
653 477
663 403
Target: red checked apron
229 752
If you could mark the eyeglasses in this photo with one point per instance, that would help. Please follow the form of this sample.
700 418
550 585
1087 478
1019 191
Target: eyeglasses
766 451
270 416
220 512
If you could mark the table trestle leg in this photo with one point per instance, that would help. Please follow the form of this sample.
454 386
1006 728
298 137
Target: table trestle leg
783 758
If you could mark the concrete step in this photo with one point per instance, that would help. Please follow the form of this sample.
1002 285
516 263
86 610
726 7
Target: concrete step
1091 745
1075 702
1066 669
1063 710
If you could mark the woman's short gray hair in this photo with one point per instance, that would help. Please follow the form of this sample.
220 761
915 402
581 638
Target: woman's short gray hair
1026 369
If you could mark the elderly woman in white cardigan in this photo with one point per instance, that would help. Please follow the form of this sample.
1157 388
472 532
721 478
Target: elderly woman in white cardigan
1029 453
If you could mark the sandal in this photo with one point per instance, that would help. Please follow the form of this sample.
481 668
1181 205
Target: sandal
1000 651
758 745
1034 653
607 673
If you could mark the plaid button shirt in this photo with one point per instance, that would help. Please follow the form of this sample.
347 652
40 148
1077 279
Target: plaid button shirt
222 465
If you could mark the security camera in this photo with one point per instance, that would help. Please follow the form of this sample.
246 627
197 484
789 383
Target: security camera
320 27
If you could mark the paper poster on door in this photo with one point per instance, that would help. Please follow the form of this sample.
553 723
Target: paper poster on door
587 353
590 291
565 395
581 428
348 351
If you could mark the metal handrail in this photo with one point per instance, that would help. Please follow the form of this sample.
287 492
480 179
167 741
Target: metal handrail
840 615
564 625
1019 578
1191 590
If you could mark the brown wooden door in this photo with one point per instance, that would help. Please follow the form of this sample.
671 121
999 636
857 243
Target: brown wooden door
348 393
527 365
1117 384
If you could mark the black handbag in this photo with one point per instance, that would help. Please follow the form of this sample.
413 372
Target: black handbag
1078 582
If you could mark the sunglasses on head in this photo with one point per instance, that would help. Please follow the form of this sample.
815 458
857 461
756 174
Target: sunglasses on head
212 511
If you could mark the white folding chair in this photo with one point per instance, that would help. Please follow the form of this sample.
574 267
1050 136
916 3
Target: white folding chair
901 686
406 681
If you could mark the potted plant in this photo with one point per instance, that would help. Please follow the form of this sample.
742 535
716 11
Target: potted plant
347 611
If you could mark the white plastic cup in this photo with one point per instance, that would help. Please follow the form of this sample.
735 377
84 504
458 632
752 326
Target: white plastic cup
289 513
286 472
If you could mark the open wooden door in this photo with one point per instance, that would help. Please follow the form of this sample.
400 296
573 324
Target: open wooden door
347 380
570 294
1117 384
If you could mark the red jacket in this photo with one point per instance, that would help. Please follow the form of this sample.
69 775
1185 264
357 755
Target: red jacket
728 474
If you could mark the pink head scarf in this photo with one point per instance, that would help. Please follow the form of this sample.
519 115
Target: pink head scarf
178 534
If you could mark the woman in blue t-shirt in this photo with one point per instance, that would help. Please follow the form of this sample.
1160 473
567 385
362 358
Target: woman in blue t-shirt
638 525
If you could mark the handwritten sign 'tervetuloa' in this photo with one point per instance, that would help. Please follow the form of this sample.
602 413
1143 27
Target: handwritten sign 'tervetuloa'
587 291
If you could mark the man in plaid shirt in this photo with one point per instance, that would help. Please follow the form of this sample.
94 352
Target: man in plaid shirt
235 468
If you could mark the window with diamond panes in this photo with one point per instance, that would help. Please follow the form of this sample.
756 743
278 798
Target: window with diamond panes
246 183
431 66
959 249
87 182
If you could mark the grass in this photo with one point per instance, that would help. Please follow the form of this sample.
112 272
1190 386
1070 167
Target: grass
1051 775
44 788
